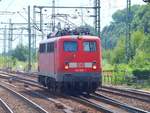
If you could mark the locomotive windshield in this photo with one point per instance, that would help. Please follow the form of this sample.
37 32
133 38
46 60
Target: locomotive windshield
70 46
89 46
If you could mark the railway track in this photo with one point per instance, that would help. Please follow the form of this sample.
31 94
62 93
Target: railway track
114 102
89 103
104 88
57 103
64 107
96 101
50 99
60 105
19 103
25 80
32 83
139 91
24 76
5 107
130 91
106 104
34 74
80 99
142 96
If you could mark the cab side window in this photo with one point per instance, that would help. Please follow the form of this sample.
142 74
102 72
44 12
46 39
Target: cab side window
42 48
50 47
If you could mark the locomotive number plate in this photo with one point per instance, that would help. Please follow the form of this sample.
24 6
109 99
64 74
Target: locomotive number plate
79 70
80 65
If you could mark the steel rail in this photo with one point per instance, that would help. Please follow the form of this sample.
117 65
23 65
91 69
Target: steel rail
139 91
5 106
33 74
66 108
83 100
108 100
15 77
34 105
127 91
130 108
125 95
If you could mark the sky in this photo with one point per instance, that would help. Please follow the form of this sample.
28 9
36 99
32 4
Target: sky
108 7
17 10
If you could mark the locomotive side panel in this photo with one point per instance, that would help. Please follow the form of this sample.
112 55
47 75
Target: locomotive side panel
47 60
46 63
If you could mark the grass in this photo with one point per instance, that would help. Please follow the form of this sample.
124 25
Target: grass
123 77
15 64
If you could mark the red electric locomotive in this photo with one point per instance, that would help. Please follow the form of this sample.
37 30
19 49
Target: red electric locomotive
70 61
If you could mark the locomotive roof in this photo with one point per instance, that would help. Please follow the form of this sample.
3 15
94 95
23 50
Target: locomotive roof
68 37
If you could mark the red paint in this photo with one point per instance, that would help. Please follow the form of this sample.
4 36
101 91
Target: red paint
55 62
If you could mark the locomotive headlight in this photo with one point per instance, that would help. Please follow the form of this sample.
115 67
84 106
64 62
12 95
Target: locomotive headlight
94 67
66 66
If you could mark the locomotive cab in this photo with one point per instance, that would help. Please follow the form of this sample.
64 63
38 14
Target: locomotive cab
80 62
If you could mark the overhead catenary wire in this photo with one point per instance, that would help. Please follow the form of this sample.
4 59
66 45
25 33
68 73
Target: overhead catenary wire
9 4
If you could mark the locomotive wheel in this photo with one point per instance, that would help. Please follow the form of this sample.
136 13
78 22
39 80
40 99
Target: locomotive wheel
59 87
41 80
48 84
65 87
53 86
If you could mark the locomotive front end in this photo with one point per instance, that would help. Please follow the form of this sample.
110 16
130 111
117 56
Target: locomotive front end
80 68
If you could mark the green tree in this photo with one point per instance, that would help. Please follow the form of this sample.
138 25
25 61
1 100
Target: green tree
141 60
140 16
141 19
145 45
137 39
119 52
141 43
20 53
